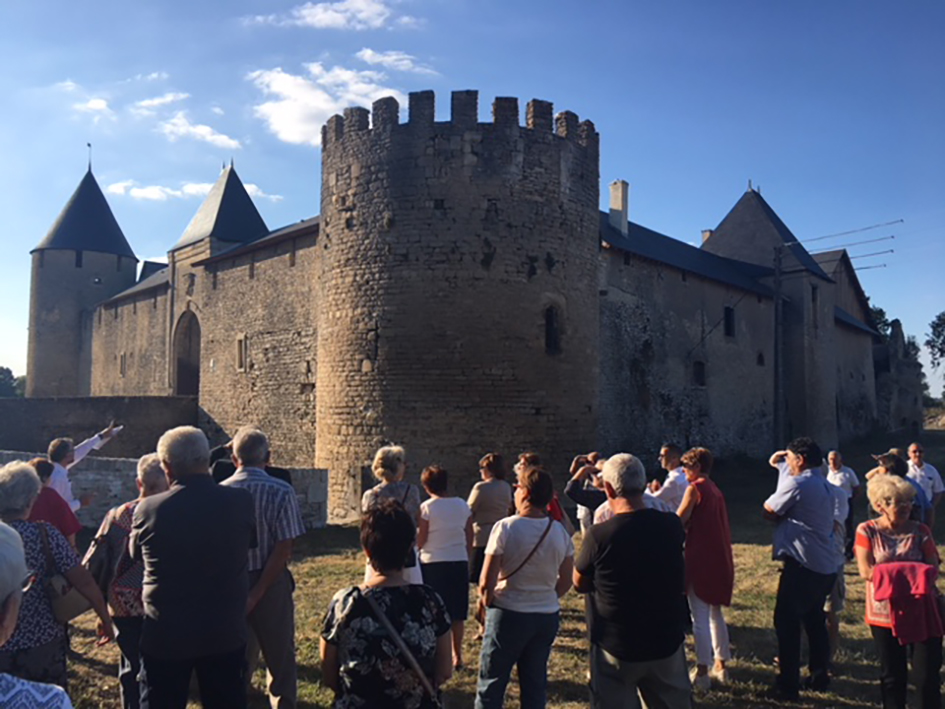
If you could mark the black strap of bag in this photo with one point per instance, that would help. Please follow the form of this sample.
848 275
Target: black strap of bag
404 650
531 553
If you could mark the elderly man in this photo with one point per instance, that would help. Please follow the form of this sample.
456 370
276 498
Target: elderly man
633 566
803 508
63 454
271 613
15 580
845 478
194 541
119 576
671 491
927 476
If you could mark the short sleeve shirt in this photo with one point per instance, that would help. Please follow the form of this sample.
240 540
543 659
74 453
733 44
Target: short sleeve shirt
37 625
50 507
927 477
845 478
446 539
805 531
372 671
490 501
532 588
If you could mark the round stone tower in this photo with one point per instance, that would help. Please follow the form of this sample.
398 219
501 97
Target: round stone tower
457 289
83 260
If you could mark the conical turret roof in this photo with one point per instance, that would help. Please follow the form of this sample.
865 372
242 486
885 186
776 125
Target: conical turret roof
86 223
228 214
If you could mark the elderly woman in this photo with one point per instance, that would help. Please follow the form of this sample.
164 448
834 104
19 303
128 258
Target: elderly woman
445 539
37 649
15 580
528 567
710 569
390 465
50 507
490 501
889 550
361 662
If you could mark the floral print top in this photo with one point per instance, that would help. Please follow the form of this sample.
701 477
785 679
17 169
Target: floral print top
372 672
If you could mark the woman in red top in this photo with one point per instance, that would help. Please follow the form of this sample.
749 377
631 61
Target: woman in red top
50 507
710 569
891 538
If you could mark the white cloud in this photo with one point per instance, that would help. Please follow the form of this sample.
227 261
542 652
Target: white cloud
180 127
339 15
167 98
409 22
162 193
93 105
298 106
67 85
217 110
394 59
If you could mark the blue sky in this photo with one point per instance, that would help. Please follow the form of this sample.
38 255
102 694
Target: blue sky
834 108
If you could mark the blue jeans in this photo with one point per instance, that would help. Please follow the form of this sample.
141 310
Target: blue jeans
513 638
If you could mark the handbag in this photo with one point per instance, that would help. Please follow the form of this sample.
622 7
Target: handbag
480 614
67 603
404 650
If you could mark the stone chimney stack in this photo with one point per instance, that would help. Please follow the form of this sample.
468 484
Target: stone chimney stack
620 205
706 234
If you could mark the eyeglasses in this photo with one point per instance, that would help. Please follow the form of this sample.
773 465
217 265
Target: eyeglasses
28 581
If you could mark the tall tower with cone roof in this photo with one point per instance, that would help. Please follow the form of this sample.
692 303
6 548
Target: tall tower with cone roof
83 260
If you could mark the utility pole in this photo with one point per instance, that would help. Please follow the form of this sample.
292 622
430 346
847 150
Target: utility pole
778 427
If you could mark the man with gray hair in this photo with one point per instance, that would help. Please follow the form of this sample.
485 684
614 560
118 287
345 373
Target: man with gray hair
194 541
63 454
119 576
270 610
633 566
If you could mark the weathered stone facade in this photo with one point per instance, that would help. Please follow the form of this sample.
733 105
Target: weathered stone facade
461 292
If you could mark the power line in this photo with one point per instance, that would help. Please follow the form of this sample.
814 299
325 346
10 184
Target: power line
856 231
854 243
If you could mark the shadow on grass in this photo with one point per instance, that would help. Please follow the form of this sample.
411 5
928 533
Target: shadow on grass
334 539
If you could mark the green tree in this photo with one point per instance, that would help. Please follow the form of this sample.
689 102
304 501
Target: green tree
7 382
880 321
20 385
935 340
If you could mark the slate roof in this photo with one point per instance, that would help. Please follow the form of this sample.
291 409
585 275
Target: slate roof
159 278
842 316
150 267
86 223
654 246
228 214
753 212
274 237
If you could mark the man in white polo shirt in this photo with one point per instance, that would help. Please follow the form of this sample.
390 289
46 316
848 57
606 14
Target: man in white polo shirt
845 478
927 476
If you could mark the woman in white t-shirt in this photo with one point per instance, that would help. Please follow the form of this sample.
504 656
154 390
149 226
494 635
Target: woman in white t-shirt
445 537
528 567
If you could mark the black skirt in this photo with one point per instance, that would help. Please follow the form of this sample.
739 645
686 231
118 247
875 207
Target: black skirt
450 579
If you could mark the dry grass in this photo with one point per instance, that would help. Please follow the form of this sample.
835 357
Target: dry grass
327 560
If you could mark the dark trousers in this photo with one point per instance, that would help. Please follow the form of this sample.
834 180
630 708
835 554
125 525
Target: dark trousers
894 670
800 601
850 530
221 678
128 637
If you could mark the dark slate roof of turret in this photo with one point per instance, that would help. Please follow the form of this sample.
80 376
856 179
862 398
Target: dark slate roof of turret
228 214
86 223
149 268
654 246
158 278
751 212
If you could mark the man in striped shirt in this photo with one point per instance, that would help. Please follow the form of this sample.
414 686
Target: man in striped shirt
270 610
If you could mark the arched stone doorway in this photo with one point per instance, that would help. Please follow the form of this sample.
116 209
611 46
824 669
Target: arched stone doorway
187 356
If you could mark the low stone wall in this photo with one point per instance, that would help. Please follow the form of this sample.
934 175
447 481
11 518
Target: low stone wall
113 482
30 424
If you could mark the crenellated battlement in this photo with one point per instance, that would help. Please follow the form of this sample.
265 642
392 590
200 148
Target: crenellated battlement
384 118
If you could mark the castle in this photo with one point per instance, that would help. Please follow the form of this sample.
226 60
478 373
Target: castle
460 291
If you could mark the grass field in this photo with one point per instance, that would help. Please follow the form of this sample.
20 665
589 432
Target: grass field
329 559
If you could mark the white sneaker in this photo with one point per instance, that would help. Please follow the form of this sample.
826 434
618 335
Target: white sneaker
721 676
700 683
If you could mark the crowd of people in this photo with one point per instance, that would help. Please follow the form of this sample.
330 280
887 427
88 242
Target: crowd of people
189 594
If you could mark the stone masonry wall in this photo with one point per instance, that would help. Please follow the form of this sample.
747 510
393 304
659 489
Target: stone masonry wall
30 424
456 288
656 323
113 482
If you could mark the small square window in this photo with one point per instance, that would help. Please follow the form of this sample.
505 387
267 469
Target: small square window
122 365
242 353
78 259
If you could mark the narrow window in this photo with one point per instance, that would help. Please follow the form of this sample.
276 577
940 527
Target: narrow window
760 359
729 321
118 264
242 353
552 331
122 365
252 269
42 259
134 307
292 254
154 302
684 276
100 315
698 373
814 304
116 312
626 258
213 280
78 259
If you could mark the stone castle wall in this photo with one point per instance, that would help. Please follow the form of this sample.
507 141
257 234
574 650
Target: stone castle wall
456 288
113 482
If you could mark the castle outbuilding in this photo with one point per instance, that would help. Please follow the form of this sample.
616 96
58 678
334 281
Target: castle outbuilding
460 292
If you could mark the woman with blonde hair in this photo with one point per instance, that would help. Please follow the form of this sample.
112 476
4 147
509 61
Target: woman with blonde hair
389 467
895 552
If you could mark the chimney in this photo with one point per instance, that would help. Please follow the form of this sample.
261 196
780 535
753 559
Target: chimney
706 234
620 205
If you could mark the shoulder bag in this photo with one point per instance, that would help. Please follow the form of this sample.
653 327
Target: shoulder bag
67 602
404 650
